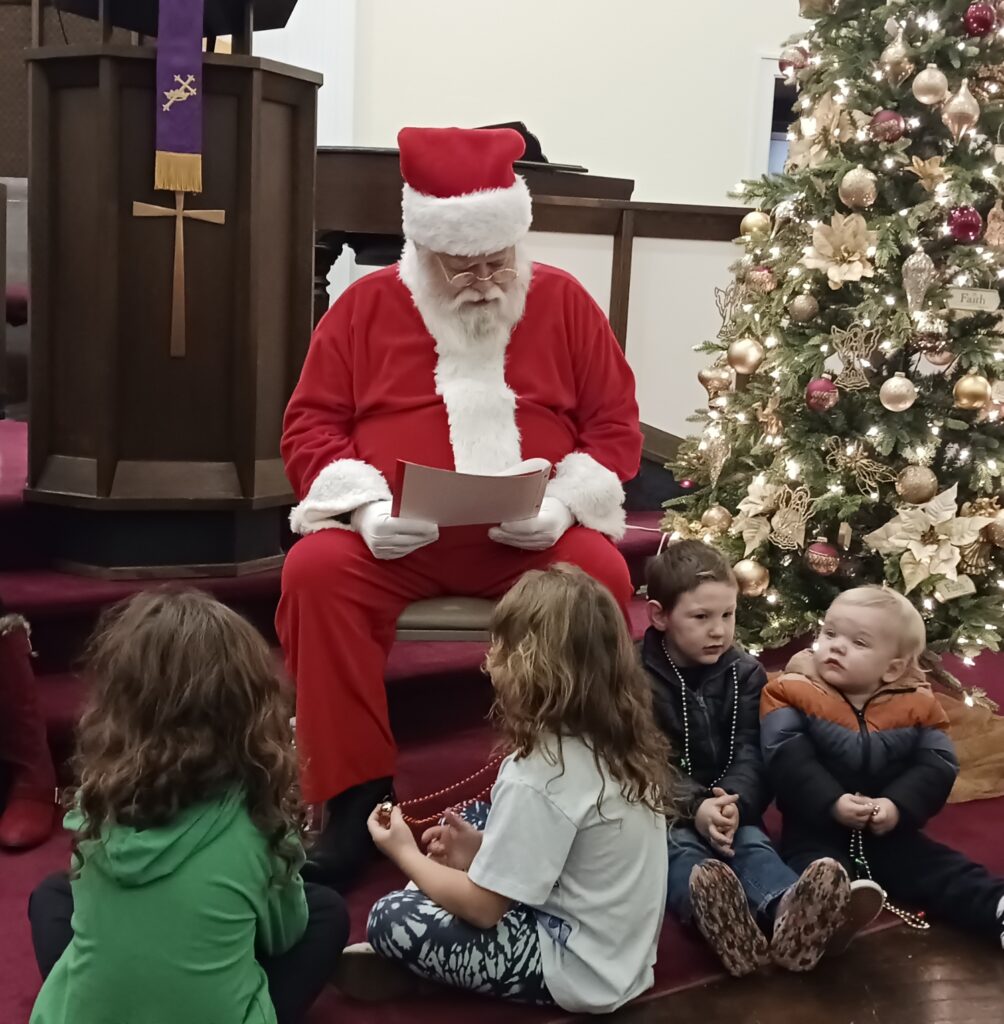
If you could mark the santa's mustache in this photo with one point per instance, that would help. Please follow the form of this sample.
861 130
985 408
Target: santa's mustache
472 296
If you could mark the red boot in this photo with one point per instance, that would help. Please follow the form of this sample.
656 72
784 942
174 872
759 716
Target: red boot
30 815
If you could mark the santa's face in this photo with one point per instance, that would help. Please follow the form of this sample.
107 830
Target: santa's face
474 280
483 293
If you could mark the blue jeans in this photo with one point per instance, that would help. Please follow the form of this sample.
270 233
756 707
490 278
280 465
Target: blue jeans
762 873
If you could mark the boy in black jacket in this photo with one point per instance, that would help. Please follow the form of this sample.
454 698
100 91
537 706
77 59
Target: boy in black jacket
857 747
723 871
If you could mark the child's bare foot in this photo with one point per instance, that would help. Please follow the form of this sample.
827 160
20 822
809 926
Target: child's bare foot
808 915
723 917
867 901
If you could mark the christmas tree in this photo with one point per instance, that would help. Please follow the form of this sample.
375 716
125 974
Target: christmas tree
854 429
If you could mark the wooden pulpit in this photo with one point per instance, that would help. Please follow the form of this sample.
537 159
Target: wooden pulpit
168 329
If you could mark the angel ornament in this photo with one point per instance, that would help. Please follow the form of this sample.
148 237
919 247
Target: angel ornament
794 510
855 346
769 418
994 236
728 302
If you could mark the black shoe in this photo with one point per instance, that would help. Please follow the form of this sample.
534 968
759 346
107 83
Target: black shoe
344 847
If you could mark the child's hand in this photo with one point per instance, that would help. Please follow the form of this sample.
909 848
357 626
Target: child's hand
729 807
454 843
716 823
853 810
393 839
885 816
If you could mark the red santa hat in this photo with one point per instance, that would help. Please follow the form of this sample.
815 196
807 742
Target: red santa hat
461 195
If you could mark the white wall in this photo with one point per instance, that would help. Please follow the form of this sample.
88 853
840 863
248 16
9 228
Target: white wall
662 91
321 36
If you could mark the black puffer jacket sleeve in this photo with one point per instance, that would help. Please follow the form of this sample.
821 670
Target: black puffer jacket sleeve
747 775
922 789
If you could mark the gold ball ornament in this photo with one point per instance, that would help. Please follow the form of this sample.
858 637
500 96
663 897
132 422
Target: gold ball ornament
961 113
971 391
995 531
897 394
941 357
803 308
930 87
718 517
858 189
745 355
755 226
717 380
752 577
895 61
916 485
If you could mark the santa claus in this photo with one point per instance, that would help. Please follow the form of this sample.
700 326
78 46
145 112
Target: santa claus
466 356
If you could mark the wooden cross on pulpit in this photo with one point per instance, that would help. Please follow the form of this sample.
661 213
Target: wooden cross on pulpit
179 213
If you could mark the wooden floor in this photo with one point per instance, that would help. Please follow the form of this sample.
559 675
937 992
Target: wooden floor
896 976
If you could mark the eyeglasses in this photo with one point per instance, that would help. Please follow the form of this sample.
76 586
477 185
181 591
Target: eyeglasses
468 277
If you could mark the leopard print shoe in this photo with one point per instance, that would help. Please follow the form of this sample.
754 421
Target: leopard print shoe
723 917
809 914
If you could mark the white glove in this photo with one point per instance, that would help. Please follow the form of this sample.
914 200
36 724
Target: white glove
537 534
388 537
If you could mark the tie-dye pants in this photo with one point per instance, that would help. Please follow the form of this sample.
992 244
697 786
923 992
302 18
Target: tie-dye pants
503 961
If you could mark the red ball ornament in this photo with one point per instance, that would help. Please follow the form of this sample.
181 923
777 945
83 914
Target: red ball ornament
888 126
793 58
965 224
980 19
822 558
821 395
687 485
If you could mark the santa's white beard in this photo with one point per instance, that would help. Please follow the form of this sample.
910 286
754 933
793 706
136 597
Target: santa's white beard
479 318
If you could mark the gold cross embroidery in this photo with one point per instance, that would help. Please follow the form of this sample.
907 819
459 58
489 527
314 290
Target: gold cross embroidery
185 90
178 293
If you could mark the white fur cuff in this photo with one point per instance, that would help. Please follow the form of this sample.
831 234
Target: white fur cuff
470 225
342 486
592 493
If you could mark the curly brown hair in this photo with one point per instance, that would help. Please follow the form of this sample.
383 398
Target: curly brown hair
562 663
185 704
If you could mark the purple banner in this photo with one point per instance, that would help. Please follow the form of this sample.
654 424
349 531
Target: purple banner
179 87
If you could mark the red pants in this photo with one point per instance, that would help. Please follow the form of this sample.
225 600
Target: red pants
337 619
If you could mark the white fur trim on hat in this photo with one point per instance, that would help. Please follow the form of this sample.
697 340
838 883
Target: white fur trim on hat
342 486
592 493
470 225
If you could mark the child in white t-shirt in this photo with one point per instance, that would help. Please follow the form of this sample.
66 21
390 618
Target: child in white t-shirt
560 899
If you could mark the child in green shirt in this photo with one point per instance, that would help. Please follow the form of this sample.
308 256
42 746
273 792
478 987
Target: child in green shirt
185 893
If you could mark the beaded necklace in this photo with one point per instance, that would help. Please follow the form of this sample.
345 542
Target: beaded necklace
685 762
864 871
490 769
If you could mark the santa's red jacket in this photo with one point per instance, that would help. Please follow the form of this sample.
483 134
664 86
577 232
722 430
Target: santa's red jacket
376 387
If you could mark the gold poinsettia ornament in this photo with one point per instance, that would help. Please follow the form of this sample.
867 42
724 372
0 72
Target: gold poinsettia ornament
843 249
930 173
929 538
820 133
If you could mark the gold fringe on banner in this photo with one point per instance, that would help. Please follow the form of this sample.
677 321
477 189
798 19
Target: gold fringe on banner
178 172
